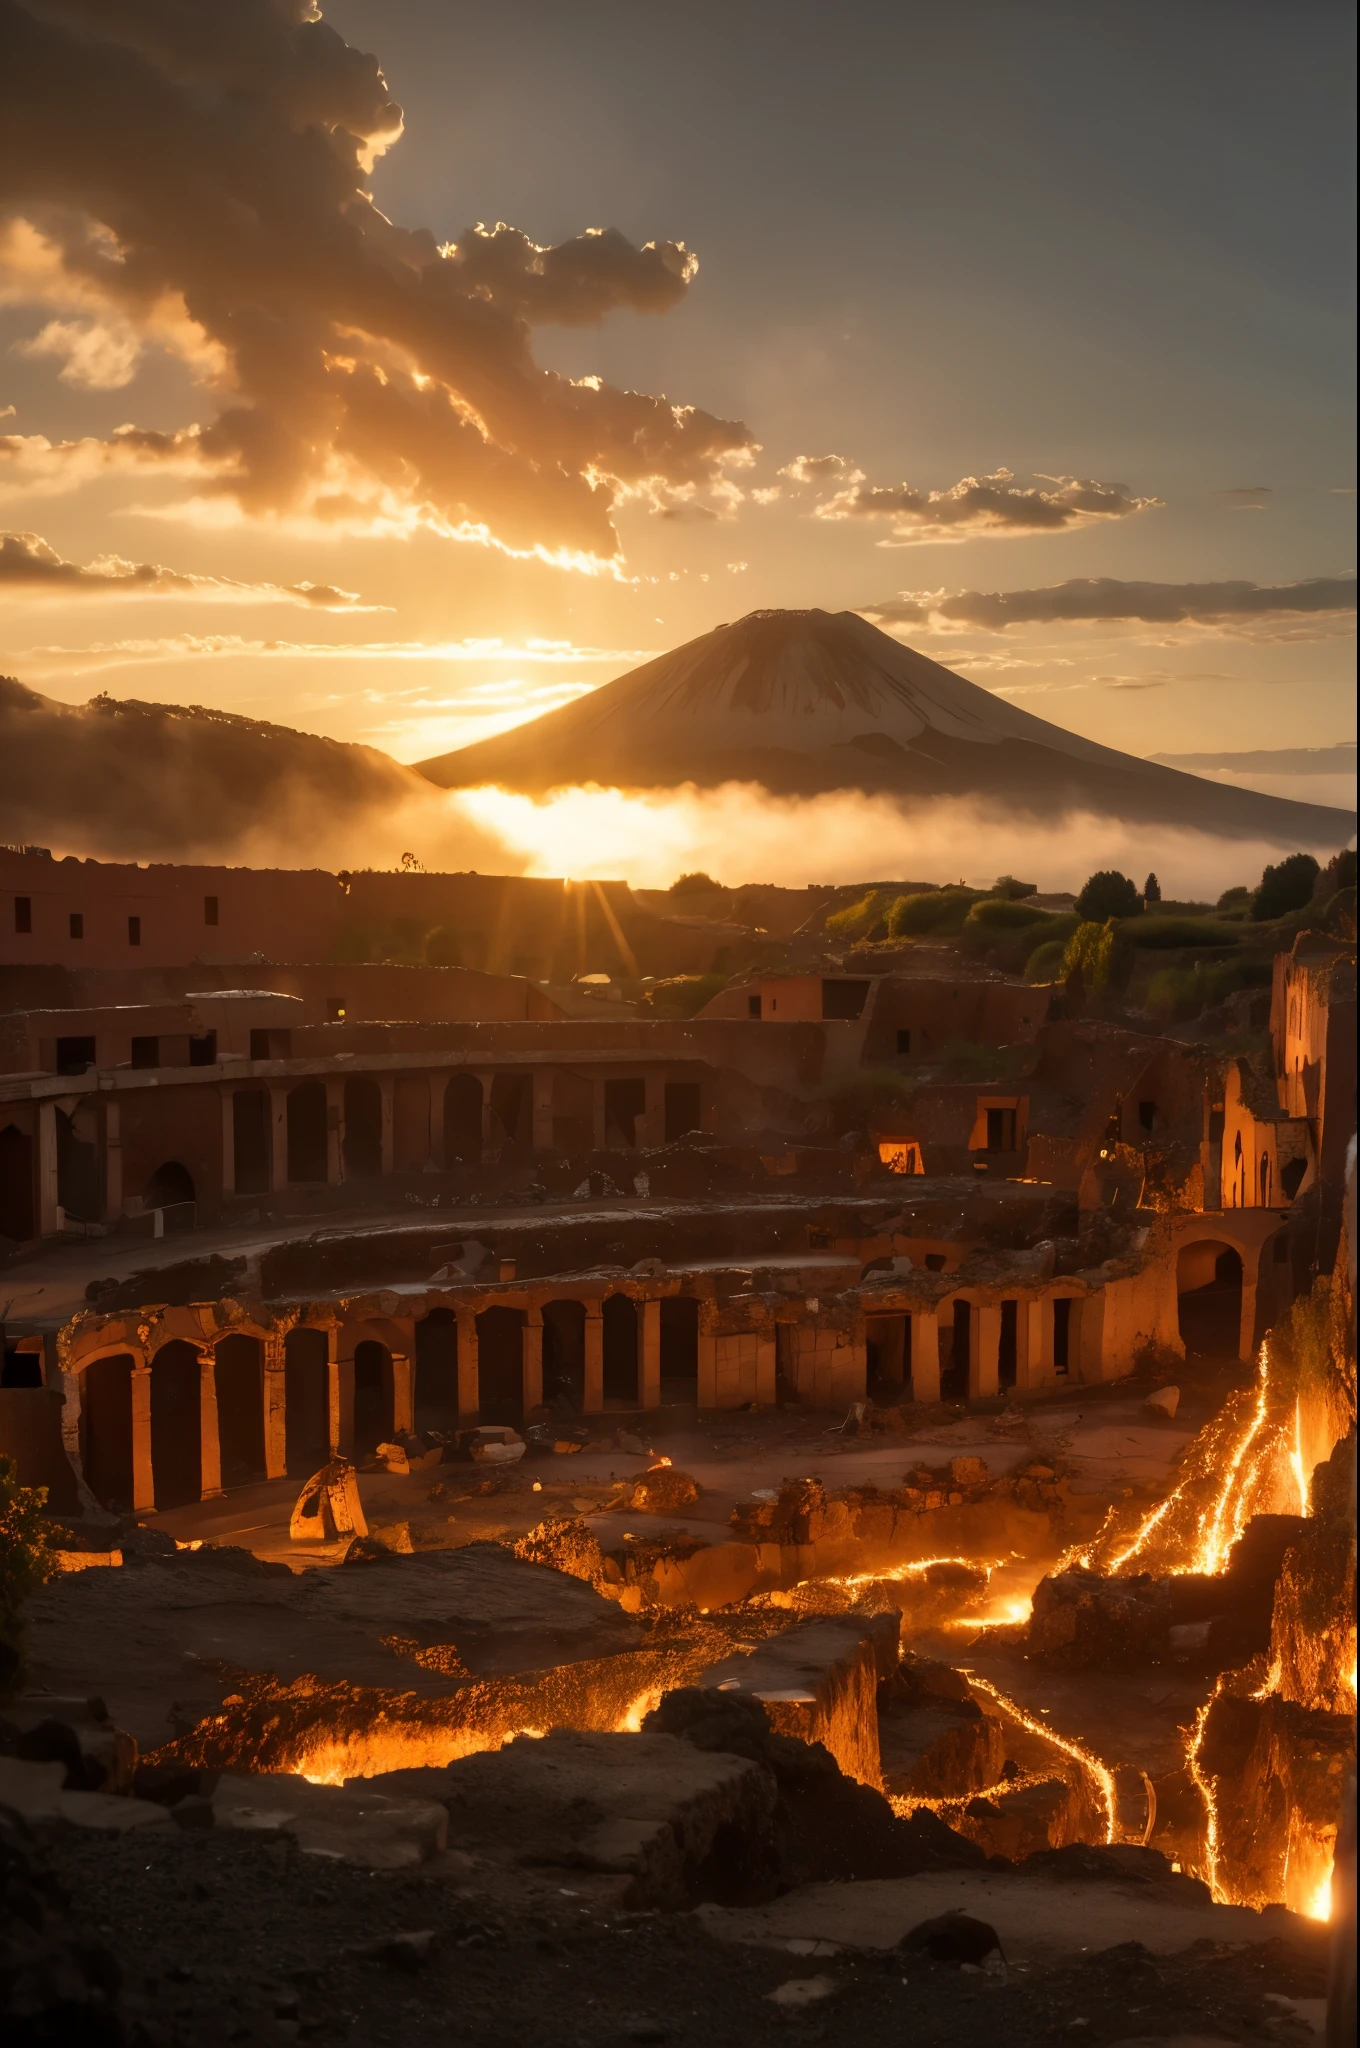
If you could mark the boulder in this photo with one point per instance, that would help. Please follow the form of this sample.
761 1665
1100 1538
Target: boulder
329 1509
934 1740
1017 1821
1081 1621
819 1682
660 1490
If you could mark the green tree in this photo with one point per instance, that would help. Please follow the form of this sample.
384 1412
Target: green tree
1152 890
1013 891
25 1561
856 920
1091 950
1108 894
697 884
936 910
1285 887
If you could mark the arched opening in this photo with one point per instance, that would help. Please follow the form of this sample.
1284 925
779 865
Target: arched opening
372 1397
16 1185
106 1430
887 1363
176 1451
1008 1348
436 1390
956 1340
250 1141
240 1409
363 1128
564 1354
169 1184
1291 1178
78 1165
306 1394
500 1365
620 1350
463 1121
1209 1299
679 1348
307 1131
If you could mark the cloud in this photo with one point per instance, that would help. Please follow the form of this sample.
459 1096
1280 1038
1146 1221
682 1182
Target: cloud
198 176
1246 497
95 355
978 507
1106 600
30 566
820 469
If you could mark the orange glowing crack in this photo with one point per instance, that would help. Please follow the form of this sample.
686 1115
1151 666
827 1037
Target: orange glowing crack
1096 1771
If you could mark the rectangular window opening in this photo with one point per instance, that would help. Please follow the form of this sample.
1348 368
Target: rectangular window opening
210 910
23 913
74 1055
903 1042
134 931
1062 1335
1147 1115
203 1050
146 1052
1001 1130
753 1006
77 924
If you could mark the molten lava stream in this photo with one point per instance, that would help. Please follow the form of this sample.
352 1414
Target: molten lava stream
1099 1775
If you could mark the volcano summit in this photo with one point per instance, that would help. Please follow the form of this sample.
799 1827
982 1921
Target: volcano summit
803 702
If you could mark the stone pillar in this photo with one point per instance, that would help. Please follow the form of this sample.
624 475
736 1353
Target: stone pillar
71 1389
985 1352
387 1088
925 1355
143 1477
532 1355
1246 1333
275 1408
49 1214
278 1136
485 1077
649 1363
1022 1343
469 1387
335 1132
113 1160
706 1389
403 1392
593 1403
597 1123
543 1109
766 1368
1039 1349
340 1389
228 1141
209 1438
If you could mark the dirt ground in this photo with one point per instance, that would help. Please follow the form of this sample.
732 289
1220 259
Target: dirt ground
233 1940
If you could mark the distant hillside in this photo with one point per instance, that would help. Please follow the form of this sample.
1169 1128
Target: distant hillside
803 702
165 781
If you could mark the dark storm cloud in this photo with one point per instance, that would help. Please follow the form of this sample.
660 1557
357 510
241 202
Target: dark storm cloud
29 564
1105 599
215 159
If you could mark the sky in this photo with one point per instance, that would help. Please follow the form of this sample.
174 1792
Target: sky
1027 331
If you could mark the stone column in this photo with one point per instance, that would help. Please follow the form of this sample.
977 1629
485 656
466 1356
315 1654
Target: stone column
706 1389
593 1402
143 1477
209 1438
340 1389
469 1387
403 1392
543 1109
387 1088
72 1391
275 1408
532 1355
113 1160
766 1367
925 1355
649 1362
278 1136
335 1132
985 1352
228 1141
48 1208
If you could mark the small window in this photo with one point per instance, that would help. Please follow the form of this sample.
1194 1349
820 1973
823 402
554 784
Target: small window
843 1001
1001 1130
23 913
934 1262
74 1055
210 910
753 1006
203 1050
1147 1116
77 924
134 931
1062 1335
146 1052
335 1009
904 1041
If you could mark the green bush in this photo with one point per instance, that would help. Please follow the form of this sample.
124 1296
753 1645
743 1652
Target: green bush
25 1561
1108 894
683 995
1004 914
697 884
939 910
1045 962
1091 952
856 920
1234 899
1177 993
1013 891
1162 934
1285 887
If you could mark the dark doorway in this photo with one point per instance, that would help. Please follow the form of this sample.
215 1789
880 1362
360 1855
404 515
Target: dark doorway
363 1129
1008 1355
1209 1300
463 1121
1062 1335
77 1170
684 1109
512 1105
250 1140
620 1350
624 1103
1001 1130
307 1410
169 1184
956 1343
500 1365
307 1132
564 1353
372 1397
240 1410
106 1430
176 1452
16 1185
436 1390
679 1348
886 1366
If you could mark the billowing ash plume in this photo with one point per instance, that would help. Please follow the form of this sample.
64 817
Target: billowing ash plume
196 174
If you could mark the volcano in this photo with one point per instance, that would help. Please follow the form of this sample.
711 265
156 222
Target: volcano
804 702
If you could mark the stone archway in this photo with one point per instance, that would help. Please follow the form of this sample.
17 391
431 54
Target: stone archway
500 1365
106 1430
176 1442
16 1186
564 1353
171 1182
307 1132
239 1374
306 1393
463 1120
372 1396
436 1370
1209 1275
363 1128
620 1350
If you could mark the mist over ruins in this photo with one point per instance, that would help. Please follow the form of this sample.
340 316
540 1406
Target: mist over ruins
677 1242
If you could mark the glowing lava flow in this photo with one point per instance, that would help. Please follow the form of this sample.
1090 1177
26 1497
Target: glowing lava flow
1100 1777
1220 1528
1206 1792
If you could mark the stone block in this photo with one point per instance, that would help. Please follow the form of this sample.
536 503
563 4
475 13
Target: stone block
819 1682
357 1822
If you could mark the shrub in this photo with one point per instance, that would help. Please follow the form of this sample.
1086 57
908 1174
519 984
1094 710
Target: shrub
1013 891
1152 890
1234 899
1285 887
1004 914
1108 894
856 920
25 1562
1339 873
1045 963
1178 993
1165 933
940 910
1090 952
683 995
697 884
